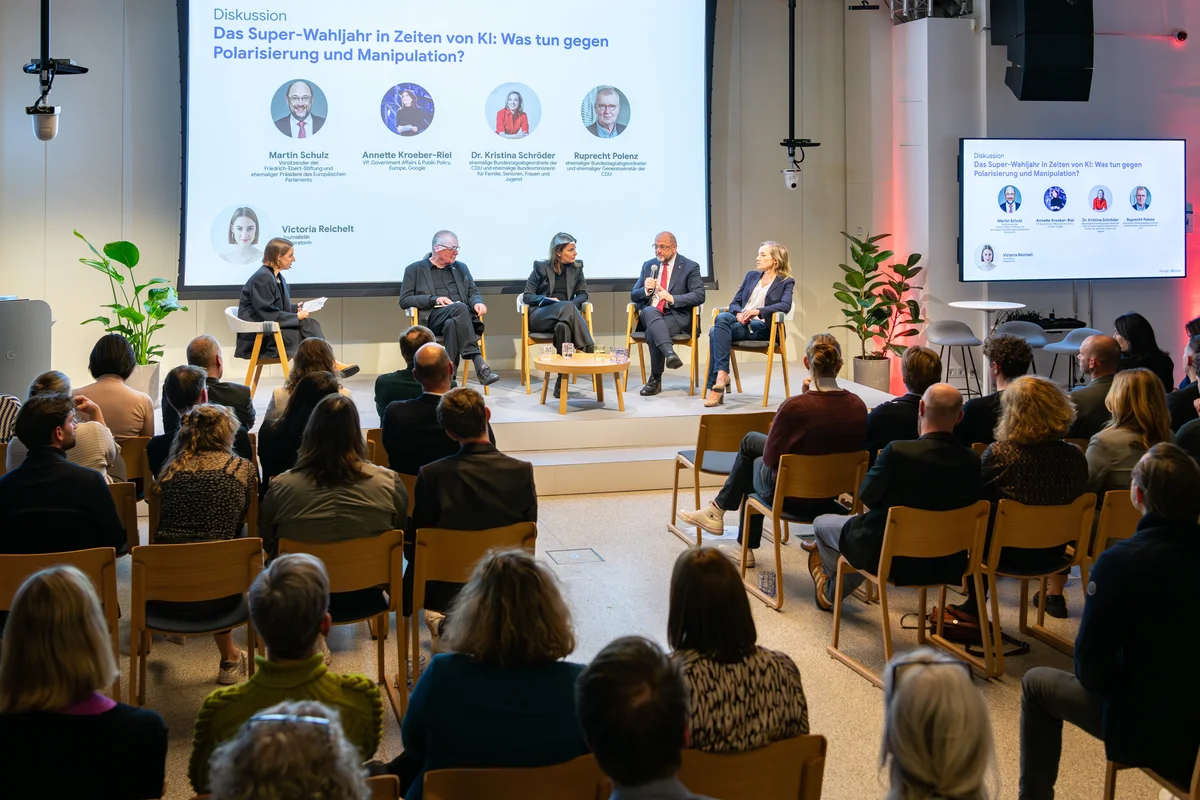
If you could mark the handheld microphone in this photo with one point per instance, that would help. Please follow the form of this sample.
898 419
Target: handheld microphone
654 275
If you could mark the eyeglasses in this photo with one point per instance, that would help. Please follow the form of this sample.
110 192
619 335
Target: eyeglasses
658 246
300 99
451 248
289 718
607 106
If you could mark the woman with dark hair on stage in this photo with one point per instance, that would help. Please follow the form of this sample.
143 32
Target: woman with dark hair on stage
555 293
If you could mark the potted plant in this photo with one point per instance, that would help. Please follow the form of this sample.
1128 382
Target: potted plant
134 318
877 310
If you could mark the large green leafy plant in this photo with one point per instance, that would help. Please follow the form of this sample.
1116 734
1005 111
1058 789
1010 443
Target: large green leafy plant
877 310
134 318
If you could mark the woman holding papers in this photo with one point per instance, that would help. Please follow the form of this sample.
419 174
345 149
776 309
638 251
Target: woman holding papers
555 294
266 298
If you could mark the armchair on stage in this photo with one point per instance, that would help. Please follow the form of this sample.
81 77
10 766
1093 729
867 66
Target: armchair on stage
776 342
259 329
634 336
414 316
531 338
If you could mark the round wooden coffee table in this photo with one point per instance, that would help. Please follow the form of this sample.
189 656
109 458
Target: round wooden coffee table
580 364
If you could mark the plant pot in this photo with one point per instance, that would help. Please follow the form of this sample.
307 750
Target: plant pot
873 372
145 378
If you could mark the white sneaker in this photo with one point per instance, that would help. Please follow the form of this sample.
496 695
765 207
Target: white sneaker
232 671
734 553
433 621
710 518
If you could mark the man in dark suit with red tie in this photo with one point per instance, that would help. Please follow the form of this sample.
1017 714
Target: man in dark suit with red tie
668 288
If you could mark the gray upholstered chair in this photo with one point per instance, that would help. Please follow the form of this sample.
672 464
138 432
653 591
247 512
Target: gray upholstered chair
950 333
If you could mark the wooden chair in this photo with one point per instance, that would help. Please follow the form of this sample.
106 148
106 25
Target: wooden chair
1118 520
1181 792
578 779
790 769
179 573
914 533
98 563
805 477
124 497
259 329
253 437
381 787
531 338
450 556
777 341
410 486
979 447
371 451
375 436
717 444
634 336
133 453
1019 525
415 319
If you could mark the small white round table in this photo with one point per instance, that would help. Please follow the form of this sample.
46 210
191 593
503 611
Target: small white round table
988 307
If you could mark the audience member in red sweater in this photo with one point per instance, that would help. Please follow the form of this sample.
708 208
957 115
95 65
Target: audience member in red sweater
823 419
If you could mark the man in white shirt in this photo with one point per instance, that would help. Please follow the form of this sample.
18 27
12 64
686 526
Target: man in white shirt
301 123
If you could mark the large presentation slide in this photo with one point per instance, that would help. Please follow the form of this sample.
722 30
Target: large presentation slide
359 129
1071 209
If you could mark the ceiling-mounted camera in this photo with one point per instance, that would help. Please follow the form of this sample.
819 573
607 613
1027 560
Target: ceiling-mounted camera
43 115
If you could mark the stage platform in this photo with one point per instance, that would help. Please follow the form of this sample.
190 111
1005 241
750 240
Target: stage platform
594 447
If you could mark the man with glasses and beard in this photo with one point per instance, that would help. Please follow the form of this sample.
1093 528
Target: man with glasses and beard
301 122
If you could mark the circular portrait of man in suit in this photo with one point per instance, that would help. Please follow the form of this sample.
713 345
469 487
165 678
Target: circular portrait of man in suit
299 109
605 112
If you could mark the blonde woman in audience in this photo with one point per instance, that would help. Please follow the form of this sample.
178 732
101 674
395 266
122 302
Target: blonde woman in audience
289 751
127 412
205 493
56 662
313 355
94 447
1140 420
504 696
937 739
743 696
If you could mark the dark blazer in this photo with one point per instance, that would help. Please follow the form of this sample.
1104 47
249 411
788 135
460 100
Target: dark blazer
542 281
1139 663
266 298
686 285
980 416
285 124
277 451
1181 404
1090 412
159 447
1159 363
934 473
895 420
234 395
412 436
416 290
618 129
779 296
49 505
1004 206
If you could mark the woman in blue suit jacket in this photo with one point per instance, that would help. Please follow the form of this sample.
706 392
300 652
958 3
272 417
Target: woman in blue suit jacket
763 292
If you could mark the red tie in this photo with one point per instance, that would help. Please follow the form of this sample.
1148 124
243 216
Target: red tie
301 136
664 280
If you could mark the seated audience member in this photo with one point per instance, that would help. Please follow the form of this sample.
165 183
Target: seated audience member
1182 402
937 739
56 725
289 606
94 447
1008 358
744 696
823 419
279 439
204 352
504 695
47 504
127 412
1188 438
1139 348
412 435
1029 463
934 473
1127 687
290 750
402 384
1139 421
897 419
313 355
9 406
1097 361
476 489
183 389
632 703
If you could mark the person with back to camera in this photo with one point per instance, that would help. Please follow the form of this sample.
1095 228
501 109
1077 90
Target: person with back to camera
184 389
205 352
313 355
899 419
511 121
607 107
1139 348
267 298
1100 203
411 119
127 412
555 293
279 439
1008 358
937 738
1010 202
243 238
765 290
1097 361
1141 199
402 384
300 123
56 726
1183 401
744 696
664 304
95 447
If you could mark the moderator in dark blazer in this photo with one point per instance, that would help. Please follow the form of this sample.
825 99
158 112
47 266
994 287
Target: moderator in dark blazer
412 436
1182 405
779 296
416 289
234 395
266 298
285 124
934 473
1090 413
542 283
49 505
895 420
685 284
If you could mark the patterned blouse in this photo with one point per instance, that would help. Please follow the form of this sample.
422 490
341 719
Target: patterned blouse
1048 473
207 499
745 705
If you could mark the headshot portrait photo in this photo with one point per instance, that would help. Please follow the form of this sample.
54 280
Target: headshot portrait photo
1100 197
1055 198
237 235
1009 199
512 111
985 258
406 109
299 108
605 112
1140 198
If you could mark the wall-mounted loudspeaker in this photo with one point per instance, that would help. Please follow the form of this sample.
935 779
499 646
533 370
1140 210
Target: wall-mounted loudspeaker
1051 46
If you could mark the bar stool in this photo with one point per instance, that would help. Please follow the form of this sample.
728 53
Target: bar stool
950 333
1069 347
1033 334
